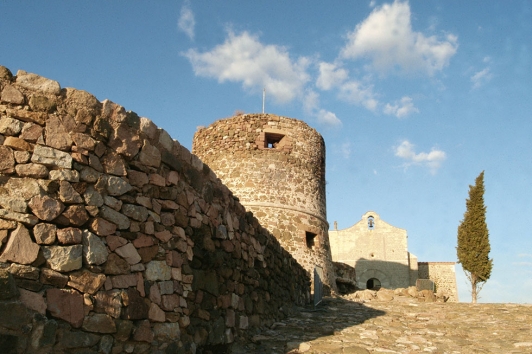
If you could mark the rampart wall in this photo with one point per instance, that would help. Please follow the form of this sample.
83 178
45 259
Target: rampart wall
115 238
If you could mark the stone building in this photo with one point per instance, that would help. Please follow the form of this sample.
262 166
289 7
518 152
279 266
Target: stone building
379 253
276 167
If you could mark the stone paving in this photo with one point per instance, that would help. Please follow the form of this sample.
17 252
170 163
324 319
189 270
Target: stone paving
403 325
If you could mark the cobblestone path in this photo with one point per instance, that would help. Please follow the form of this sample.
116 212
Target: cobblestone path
399 326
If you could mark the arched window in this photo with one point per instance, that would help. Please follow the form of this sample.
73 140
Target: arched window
371 223
373 284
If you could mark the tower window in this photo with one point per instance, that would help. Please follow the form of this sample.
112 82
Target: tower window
309 236
272 140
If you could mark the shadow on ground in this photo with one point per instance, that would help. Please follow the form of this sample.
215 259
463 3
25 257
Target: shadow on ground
330 317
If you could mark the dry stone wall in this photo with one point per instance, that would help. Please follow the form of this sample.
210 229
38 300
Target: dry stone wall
276 167
444 277
115 238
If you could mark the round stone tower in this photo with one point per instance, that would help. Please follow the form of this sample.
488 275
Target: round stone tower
276 167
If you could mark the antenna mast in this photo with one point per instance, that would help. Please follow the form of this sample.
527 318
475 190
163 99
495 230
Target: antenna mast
263 98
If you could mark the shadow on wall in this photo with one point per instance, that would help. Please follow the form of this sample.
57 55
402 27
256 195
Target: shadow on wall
376 274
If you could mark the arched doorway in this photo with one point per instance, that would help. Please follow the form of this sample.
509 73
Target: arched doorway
373 284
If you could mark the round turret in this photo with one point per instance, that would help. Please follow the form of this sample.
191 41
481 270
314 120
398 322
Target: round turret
276 167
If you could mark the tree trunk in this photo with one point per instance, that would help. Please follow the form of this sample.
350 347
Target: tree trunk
474 280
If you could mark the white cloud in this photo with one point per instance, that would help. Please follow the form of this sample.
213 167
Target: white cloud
356 92
328 118
402 108
330 76
311 102
387 38
481 78
243 58
186 20
432 159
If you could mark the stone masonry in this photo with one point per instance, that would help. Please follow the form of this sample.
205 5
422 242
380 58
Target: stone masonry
115 238
276 167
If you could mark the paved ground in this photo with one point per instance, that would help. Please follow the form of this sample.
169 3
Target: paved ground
399 326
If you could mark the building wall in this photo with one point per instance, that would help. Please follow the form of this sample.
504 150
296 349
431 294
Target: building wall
443 275
115 238
283 184
379 251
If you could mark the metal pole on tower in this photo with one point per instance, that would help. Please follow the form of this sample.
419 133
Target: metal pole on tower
263 98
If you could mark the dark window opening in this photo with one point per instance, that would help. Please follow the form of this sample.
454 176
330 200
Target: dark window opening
373 284
272 140
309 236
371 223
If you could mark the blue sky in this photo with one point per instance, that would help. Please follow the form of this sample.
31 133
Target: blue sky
414 99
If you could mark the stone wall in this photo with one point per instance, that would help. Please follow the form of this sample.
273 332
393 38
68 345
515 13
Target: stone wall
378 251
115 238
276 167
443 275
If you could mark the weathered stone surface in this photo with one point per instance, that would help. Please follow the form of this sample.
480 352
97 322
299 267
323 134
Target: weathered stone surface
7 160
27 116
150 155
64 175
135 212
26 219
114 164
143 333
46 208
94 250
167 331
20 248
42 103
57 135
120 220
137 178
68 194
88 174
63 258
84 141
33 300
155 313
129 253
17 144
86 282
7 224
26 188
10 126
79 339
116 186
37 83
99 323
125 141
102 227
8 287
13 203
136 307
109 302
76 215
15 318
69 236
158 270
31 132
49 276
66 305
51 157
124 281
92 197
112 202
22 157
45 234
116 265
32 170
24 271
113 242
12 95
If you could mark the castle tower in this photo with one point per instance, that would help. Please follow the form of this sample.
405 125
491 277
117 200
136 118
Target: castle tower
276 167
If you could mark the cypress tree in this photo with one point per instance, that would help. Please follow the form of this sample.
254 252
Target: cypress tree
473 239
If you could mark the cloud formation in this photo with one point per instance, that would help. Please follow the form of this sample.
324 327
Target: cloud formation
481 78
432 159
243 58
186 22
330 76
401 108
386 37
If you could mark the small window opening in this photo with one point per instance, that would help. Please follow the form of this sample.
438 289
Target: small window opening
373 284
309 236
371 223
272 140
